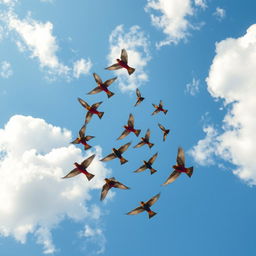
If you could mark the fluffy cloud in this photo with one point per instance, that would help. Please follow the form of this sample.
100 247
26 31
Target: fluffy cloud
82 66
5 69
219 13
201 3
173 18
193 87
33 197
231 78
136 44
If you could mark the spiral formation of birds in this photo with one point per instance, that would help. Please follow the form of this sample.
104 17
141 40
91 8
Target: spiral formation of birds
179 168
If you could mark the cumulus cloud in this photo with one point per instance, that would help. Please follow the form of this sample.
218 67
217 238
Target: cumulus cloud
137 46
193 87
201 3
231 78
33 197
82 66
219 13
5 69
172 18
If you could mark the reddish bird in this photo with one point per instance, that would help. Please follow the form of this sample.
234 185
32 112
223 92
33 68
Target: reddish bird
81 168
117 153
139 98
123 63
179 168
82 138
148 165
111 183
102 86
129 128
145 141
91 110
145 207
159 108
165 131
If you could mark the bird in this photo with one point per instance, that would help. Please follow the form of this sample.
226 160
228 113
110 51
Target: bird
91 110
179 168
145 206
82 138
102 86
139 98
111 183
145 141
122 63
148 165
159 108
81 168
129 128
117 153
165 131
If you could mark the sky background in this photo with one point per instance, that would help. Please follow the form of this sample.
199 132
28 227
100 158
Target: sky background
198 56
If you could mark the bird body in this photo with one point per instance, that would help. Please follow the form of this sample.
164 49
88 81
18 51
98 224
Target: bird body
148 165
82 138
159 108
145 141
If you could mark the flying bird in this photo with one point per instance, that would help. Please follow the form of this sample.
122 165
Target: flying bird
159 108
82 138
102 86
146 207
81 168
91 110
139 97
179 168
165 131
145 141
117 153
148 165
111 183
122 63
129 128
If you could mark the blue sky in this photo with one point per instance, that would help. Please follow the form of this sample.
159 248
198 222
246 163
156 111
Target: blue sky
198 56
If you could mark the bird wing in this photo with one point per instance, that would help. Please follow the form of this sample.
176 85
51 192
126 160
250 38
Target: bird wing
180 157
124 56
164 137
123 135
97 78
114 67
131 121
161 127
82 131
83 103
71 174
96 105
87 161
109 81
147 136
123 148
76 141
88 137
142 168
137 102
151 201
120 185
108 157
104 191
173 176
161 104
88 117
95 90
140 144
138 93
155 112
153 158
136 211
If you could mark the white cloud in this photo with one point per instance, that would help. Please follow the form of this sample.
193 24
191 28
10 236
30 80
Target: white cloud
82 66
193 87
173 18
136 44
8 2
231 78
5 69
201 3
219 13
33 197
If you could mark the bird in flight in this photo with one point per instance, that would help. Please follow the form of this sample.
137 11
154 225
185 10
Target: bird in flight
117 153
102 86
165 131
81 168
148 165
111 183
82 138
145 141
179 168
139 97
145 206
91 110
159 108
122 63
129 128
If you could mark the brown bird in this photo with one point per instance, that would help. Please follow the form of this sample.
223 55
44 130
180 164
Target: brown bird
145 207
117 153
179 168
165 131
102 86
159 108
91 110
81 168
123 63
111 183
148 165
139 98
145 141
129 128
82 138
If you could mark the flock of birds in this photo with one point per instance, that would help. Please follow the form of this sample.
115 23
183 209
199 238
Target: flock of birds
118 153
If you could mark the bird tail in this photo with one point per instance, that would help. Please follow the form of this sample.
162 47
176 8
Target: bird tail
100 114
110 94
89 176
150 145
152 170
165 111
151 214
130 70
86 146
123 160
137 132
189 171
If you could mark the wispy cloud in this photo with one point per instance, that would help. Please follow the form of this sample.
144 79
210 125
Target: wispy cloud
201 3
219 13
193 87
5 69
81 67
